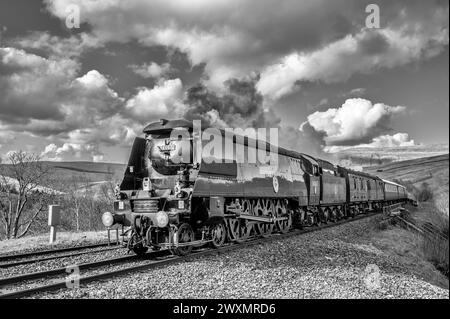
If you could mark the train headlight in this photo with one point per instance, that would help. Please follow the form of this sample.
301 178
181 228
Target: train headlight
162 219
108 219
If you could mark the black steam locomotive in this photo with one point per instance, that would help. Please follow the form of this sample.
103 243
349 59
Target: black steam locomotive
174 196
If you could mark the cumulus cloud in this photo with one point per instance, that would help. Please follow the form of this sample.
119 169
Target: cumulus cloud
45 97
70 151
163 100
383 141
309 40
5 136
52 45
152 70
232 37
30 84
357 121
248 56
360 53
357 92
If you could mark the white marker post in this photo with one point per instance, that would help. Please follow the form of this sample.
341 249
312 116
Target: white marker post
54 218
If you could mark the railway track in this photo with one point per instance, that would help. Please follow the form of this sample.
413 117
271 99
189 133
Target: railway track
36 260
49 252
149 261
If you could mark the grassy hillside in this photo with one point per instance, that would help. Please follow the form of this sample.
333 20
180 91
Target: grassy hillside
95 172
88 175
368 156
432 170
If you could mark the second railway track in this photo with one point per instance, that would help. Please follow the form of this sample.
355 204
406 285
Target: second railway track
149 261
4 258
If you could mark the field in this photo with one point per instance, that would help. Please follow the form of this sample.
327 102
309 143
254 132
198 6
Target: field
373 156
87 175
96 172
433 171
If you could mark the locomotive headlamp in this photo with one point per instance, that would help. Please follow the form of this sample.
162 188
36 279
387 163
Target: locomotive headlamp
162 219
146 184
107 219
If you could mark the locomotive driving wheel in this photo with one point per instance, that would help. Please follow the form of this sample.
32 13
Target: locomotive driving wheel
184 234
218 234
264 210
239 229
281 211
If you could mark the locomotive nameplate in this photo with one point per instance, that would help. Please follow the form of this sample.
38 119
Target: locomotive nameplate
167 148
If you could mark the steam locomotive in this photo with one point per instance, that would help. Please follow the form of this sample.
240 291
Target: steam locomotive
175 195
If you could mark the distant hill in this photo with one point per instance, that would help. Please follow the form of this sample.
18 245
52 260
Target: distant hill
368 156
87 174
94 172
432 170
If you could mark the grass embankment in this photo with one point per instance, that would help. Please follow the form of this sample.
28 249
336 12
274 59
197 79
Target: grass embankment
426 256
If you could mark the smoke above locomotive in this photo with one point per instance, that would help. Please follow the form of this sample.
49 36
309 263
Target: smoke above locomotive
187 186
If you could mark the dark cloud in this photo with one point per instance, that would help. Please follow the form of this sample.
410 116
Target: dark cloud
239 105
372 43
290 43
307 140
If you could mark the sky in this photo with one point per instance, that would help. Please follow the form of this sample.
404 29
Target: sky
314 69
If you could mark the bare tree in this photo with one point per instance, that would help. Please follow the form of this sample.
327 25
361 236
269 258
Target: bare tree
107 191
23 192
77 194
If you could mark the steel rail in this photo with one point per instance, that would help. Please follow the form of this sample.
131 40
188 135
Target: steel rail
153 264
32 261
50 251
62 270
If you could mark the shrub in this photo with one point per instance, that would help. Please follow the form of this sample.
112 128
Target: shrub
383 225
436 251
424 193
442 203
435 246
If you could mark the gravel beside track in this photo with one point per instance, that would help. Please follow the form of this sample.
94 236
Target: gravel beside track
331 263
95 255
33 258
53 279
7 250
